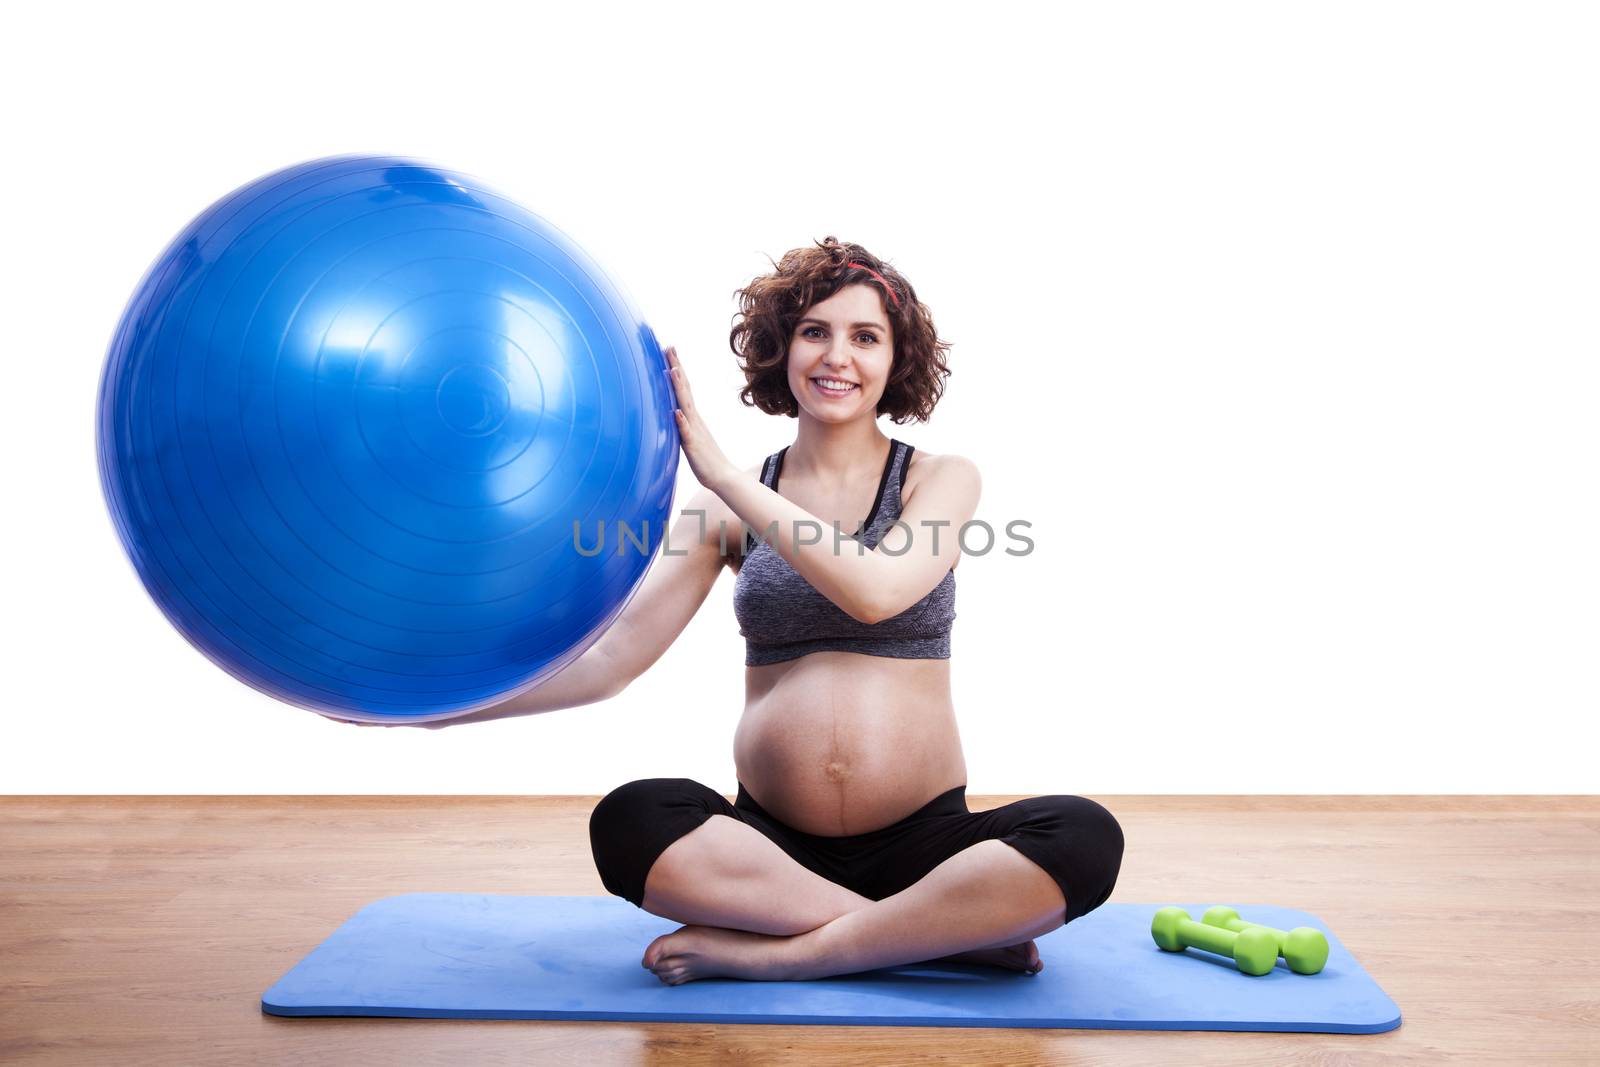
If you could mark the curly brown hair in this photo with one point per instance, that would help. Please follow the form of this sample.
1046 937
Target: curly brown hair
770 306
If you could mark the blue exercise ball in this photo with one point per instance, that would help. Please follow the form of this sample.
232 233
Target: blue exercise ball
363 426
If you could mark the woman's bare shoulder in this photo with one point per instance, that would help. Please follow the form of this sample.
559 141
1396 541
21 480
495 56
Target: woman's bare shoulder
925 465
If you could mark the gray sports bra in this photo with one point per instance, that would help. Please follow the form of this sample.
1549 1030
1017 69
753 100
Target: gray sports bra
782 617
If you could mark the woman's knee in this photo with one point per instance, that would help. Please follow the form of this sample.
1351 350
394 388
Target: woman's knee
625 805
1084 844
634 823
1097 841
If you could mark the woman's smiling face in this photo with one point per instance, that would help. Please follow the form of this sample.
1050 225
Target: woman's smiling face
843 339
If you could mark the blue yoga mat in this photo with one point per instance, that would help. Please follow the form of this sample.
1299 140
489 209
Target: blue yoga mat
471 956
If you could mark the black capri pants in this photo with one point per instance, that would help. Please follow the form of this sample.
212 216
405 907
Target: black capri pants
1076 841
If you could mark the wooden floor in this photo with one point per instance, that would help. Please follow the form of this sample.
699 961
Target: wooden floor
145 929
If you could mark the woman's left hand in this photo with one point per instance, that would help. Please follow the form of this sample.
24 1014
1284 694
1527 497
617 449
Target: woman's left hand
710 466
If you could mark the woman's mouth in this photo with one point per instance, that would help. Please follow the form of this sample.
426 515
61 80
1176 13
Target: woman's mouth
834 387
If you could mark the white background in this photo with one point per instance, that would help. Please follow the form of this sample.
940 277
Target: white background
1278 322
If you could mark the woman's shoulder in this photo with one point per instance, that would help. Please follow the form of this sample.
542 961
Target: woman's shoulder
928 465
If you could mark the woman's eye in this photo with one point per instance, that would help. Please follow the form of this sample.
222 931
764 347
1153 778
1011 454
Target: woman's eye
809 330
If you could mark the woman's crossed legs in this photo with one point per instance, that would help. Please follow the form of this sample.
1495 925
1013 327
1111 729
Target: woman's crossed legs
763 901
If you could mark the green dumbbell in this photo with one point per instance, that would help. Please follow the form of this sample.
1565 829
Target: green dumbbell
1253 949
1304 949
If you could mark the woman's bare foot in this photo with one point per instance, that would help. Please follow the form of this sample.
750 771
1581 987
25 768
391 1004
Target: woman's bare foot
692 952
1023 957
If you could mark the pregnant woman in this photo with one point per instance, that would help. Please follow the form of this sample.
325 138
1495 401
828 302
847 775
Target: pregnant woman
850 845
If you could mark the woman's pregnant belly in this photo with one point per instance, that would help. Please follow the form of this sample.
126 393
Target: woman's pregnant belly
837 743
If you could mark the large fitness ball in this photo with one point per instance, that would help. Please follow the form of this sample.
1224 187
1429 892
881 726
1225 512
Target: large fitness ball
348 423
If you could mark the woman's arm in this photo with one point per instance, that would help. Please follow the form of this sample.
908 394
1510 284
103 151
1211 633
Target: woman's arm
869 585
674 588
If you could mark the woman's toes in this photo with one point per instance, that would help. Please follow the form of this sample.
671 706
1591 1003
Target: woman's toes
655 950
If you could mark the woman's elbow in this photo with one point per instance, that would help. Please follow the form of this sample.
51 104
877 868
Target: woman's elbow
887 604
866 618
871 611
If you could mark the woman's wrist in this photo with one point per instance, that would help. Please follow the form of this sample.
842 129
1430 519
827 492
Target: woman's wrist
724 478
